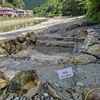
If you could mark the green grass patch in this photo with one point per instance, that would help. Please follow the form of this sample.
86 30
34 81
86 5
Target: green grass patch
15 18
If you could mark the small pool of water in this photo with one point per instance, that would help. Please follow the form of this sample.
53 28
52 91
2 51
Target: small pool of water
20 25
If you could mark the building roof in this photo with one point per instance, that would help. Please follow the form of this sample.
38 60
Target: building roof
6 8
28 11
19 9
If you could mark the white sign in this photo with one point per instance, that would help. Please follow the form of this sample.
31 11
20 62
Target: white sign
65 73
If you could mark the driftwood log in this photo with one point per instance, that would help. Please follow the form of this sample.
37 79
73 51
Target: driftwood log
46 87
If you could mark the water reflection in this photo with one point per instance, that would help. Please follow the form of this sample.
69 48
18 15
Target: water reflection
18 26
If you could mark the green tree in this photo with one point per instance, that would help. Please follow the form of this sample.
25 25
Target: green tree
18 4
13 3
7 4
49 9
94 10
31 4
73 7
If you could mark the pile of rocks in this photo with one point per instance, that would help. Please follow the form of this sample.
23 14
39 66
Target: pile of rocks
40 96
37 93
13 44
14 96
23 80
43 96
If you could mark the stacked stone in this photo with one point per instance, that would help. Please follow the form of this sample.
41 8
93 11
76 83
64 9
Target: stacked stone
14 44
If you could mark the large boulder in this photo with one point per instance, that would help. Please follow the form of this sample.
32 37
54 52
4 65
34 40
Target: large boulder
95 49
72 27
48 58
3 51
88 23
60 44
22 81
91 39
32 39
3 44
21 38
18 47
23 54
8 46
29 34
81 34
85 59
14 41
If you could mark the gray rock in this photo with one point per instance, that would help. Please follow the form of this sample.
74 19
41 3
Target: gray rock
8 99
17 98
42 97
81 34
3 52
28 79
11 95
60 44
3 96
57 84
88 23
79 83
32 39
91 39
51 98
46 94
75 96
72 27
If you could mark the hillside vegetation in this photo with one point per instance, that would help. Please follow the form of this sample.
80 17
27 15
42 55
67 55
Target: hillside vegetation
33 3
61 8
70 8
13 3
51 8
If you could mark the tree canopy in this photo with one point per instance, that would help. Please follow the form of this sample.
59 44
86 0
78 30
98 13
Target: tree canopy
13 3
51 8
94 10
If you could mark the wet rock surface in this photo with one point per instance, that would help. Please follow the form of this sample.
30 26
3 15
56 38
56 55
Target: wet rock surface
49 46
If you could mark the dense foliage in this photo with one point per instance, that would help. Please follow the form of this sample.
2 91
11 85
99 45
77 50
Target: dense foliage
13 3
73 7
50 8
94 10
30 4
70 7
61 8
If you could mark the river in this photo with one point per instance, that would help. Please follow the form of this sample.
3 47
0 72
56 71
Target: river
9 25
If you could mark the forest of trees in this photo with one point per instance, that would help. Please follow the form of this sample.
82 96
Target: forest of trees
51 8
94 10
69 8
13 3
33 3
